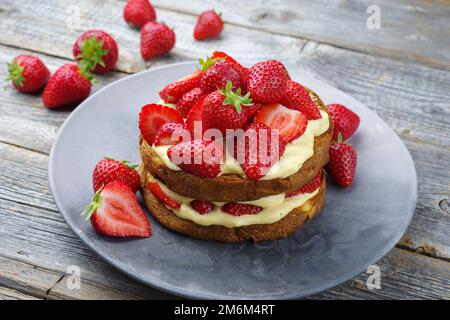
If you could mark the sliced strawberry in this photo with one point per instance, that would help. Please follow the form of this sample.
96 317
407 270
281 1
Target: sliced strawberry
173 91
239 209
153 116
202 207
195 114
309 187
199 157
115 211
171 133
297 97
290 123
162 196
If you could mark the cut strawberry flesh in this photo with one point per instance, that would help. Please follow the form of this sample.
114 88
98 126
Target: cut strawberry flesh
155 188
309 187
202 207
239 209
153 116
290 123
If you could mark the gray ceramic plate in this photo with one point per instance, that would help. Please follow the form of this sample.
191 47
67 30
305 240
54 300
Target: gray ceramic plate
356 228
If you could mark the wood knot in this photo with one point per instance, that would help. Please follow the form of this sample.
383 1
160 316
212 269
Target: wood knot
444 206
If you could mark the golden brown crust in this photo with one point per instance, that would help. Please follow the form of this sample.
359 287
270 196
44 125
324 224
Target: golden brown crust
259 232
232 187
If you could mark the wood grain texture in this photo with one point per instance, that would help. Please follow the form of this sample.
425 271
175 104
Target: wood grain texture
12 294
414 30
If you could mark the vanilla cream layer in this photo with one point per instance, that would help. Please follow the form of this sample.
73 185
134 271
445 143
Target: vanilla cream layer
297 152
274 208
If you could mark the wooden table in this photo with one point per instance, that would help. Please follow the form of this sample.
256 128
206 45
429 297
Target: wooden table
401 71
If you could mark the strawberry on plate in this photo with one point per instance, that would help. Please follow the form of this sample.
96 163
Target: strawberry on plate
27 73
199 157
309 187
222 55
174 90
172 133
290 123
217 73
195 116
108 170
239 209
298 98
202 207
156 39
138 12
115 211
342 164
209 25
188 100
155 188
267 81
345 121
153 116
67 86
96 51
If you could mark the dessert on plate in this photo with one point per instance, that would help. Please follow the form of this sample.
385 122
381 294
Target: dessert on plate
232 153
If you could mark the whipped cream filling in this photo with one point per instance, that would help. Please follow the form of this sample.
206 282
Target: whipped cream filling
297 152
274 208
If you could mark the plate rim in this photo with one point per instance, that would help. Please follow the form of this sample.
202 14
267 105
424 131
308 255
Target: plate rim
189 293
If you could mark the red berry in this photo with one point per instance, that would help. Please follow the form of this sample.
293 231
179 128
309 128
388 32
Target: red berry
188 100
199 157
239 209
309 187
155 188
345 121
290 123
67 86
209 25
108 170
202 207
115 211
222 55
342 164
298 98
258 157
267 81
27 73
156 39
175 90
195 115
217 75
96 51
138 12
169 130
153 116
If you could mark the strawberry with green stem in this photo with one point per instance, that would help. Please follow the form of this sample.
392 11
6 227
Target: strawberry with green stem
27 73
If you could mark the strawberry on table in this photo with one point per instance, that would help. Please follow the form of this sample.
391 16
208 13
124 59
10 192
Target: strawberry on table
96 51
267 81
199 157
115 211
169 131
290 123
209 25
155 188
138 12
342 164
153 116
297 97
156 39
202 207
309 187
27 73
175 90
345 121
239 209
108 170
67 86
188 100
217 73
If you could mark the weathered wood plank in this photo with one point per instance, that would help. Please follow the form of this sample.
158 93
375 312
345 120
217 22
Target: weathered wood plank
416 30
11 294
56 38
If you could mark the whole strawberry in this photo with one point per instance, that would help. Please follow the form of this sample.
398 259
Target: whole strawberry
297 97
108 170
267 81
222 55
138 12
67 86
156 39
96 51
188 100
225 109
172 92
209 25
345 121
342 164
27 73
217 73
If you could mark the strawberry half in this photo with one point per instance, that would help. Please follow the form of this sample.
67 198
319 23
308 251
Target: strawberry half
297 97
202 207
345 121
115 211
155 188
171 133
239 209
309 187
173 91
290 123
153 116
